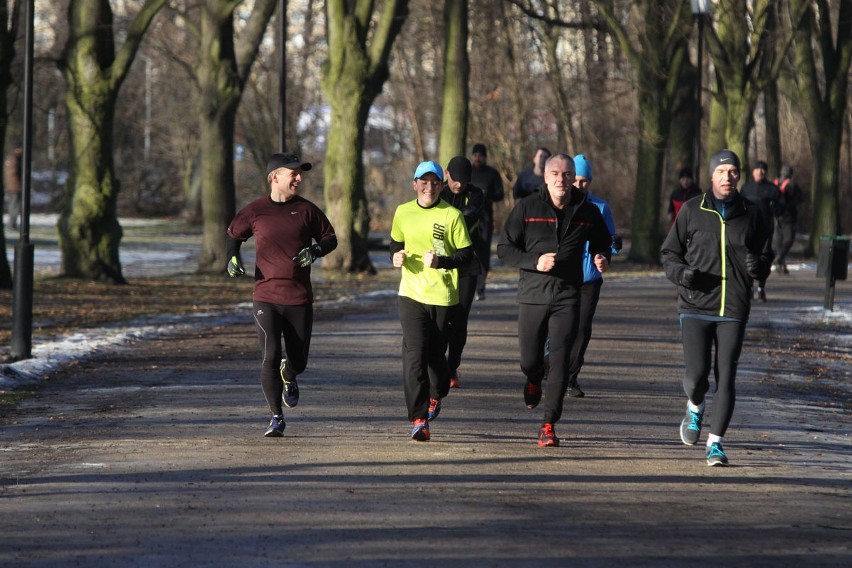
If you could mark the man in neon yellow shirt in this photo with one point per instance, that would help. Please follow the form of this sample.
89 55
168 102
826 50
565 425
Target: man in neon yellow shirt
429 240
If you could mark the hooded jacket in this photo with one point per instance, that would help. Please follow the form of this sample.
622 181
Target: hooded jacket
533 228
714 242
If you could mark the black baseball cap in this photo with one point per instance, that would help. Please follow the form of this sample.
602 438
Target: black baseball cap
289 161
460 169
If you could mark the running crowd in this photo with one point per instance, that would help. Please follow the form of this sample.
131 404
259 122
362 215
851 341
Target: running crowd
558 235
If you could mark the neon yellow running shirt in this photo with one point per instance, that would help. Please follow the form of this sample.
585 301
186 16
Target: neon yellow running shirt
440 228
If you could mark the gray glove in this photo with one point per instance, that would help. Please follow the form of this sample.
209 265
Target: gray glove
688 277
235 266
308 255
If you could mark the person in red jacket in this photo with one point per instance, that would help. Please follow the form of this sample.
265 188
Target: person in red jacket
290 233
685 191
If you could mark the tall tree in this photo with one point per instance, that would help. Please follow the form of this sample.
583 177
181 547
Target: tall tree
823 53
739 45
89 231
657 52
360 38
456 72
8 33
222 71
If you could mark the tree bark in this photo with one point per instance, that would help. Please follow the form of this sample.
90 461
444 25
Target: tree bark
357 68
222 73
658 61
823 80
456 95
89 231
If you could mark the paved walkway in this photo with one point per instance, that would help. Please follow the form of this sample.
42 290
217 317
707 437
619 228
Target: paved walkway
153 455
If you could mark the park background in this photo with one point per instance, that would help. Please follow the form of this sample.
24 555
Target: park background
170 108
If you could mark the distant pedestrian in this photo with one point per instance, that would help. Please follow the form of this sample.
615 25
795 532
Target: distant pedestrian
467 198
489 181
590 291
12 172
685 190
429 241
290 234
791 197
716 248
767 197
530 179
545 237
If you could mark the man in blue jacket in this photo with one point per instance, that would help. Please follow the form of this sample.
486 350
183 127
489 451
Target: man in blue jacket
590 291
544 237
717 247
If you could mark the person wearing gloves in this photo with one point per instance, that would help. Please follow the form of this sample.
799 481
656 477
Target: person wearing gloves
544 238
291 233
469 199
717 247
590 291
429 241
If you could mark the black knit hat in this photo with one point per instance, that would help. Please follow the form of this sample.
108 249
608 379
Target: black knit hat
723 157
479 149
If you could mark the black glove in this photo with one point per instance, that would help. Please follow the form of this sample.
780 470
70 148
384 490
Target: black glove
753 266
617 243
308 255
235 266
688 277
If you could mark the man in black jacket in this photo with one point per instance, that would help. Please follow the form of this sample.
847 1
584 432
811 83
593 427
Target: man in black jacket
545 236
717 247
767 197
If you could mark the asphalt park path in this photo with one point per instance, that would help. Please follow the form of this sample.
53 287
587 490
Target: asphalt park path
153 455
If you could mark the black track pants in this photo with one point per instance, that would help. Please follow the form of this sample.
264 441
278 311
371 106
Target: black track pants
590 293
699 337
424 342
457 334
535 324
785 236
294 324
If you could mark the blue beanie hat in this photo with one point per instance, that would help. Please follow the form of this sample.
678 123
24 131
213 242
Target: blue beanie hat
582 166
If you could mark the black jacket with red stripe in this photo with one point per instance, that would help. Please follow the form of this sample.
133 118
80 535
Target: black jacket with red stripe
533 229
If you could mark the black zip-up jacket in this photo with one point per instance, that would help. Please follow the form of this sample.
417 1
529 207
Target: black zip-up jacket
716 248
531 230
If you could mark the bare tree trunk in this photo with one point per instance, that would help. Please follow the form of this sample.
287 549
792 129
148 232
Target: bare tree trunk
89 232
456 72
823 80
222 73
359 47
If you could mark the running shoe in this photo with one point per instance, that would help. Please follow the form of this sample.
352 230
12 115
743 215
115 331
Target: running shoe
276 427
420 432
532 394
574 390
690 427
761 295
291 388
716 455
455 380
547 436
434 408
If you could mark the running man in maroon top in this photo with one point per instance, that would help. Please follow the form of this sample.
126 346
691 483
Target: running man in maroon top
290 233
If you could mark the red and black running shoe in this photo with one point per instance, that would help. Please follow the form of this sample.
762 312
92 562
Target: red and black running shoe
547 436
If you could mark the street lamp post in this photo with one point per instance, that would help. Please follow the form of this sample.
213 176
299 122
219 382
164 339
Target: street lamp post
282 80
700 10
22 294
